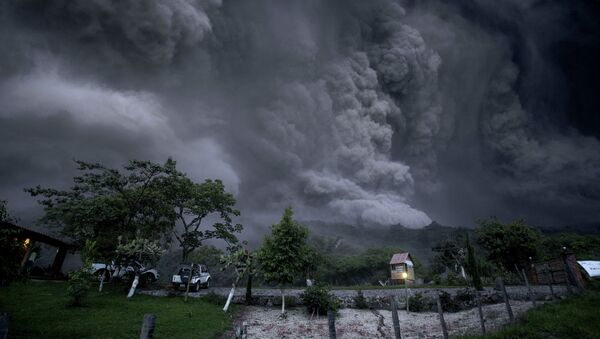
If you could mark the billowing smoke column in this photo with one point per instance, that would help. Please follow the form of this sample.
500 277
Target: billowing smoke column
372 112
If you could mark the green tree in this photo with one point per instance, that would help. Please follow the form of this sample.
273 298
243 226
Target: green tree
585 247
472 266
193 203
79 280
105 203
449 256
284 254
11 247
508 244
242 260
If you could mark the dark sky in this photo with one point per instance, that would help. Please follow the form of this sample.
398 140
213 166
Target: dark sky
375 112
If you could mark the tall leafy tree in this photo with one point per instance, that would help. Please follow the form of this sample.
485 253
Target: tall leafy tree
449 255
242 260
106 203
473 266
508 244
193 203
284 254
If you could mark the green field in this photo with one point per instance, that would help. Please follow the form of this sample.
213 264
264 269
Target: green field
38 311
576 317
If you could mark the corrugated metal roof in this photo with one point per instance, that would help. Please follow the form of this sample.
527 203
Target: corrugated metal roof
400 258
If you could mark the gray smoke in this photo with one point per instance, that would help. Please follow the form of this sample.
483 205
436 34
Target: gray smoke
380 112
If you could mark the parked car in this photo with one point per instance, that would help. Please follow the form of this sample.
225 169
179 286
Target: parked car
148 275
200 278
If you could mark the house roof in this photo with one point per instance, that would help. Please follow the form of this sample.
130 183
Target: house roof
39 234
400 258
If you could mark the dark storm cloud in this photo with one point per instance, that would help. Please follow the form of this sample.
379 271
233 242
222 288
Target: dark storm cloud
377 112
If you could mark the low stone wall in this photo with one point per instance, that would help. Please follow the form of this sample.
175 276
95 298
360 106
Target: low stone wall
376 299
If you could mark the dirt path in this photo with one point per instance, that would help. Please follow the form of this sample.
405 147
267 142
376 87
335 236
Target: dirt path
263 322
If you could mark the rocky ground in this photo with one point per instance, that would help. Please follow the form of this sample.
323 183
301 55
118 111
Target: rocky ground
265 323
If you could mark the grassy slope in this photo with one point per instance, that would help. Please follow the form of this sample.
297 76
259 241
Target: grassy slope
576 317
38 311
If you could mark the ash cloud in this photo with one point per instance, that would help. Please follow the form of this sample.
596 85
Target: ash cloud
377 113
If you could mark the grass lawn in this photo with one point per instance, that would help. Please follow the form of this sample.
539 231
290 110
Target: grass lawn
576 317
38 311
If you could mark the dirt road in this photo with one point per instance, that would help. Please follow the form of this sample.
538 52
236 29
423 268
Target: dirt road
264 322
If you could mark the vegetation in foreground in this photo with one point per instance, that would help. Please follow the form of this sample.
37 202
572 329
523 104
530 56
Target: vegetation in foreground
39 311
575 317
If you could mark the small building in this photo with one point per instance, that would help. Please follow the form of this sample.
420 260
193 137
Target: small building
51 251
402 268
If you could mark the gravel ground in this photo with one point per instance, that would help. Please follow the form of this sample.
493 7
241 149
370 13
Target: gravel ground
264 322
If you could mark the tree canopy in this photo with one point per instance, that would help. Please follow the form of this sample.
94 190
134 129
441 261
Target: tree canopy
285 254
508 244
193 202
143 200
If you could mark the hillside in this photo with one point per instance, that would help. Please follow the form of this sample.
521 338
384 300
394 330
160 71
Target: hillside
355 238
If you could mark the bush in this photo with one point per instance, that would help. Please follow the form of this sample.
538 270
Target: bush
12 252
465 299
79 281
448 303
417 303
79 285
454 279
318 300
359 301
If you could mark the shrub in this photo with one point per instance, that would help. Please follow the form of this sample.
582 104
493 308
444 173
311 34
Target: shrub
359 301
448 303
79 285
417 303
318 300
465 299
79 281
454 279
12 252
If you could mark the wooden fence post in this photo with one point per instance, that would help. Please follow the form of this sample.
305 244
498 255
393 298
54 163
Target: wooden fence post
505 296
441 314
395 321
531 296
481 318
4 321
148 326
331 320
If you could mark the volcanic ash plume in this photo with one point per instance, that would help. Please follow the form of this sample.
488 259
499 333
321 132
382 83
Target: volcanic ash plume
375 112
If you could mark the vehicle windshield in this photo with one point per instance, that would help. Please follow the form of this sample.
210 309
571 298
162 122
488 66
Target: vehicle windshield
185 270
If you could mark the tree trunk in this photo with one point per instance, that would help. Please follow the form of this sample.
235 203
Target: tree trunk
249 289
187 286
282 302
102 281
184 254
229 298
134 284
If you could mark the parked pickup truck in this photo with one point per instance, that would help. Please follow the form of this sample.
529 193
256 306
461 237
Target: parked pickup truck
200 278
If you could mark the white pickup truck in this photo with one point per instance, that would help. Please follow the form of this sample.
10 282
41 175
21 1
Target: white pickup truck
197 273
